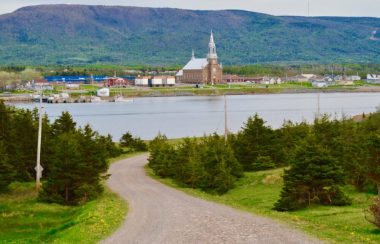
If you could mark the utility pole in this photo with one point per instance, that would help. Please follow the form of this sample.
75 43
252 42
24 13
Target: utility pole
318 108
38 167
225 119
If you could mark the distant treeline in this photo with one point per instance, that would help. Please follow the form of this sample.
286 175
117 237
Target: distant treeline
292 70
319 159
281 70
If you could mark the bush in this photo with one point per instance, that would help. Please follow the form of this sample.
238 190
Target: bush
206 163
133 143
263 163
162 156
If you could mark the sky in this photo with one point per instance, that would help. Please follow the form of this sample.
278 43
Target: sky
360 8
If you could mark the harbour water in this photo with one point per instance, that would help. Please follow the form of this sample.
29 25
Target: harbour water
195 116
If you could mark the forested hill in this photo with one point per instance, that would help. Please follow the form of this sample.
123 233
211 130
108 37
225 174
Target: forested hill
78 34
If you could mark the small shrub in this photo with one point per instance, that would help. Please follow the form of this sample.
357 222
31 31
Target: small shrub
133 143
263 163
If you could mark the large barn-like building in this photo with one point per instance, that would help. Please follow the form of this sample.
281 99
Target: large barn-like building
202 70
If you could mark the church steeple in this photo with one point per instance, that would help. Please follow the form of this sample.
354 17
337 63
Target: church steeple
212 48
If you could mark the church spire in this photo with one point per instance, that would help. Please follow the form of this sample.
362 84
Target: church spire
212 48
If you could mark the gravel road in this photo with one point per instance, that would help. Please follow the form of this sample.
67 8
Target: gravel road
160 214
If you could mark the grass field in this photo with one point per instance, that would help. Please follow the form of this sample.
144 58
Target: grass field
25 220
256 192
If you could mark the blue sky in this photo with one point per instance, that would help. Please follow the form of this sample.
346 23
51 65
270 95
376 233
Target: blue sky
275 7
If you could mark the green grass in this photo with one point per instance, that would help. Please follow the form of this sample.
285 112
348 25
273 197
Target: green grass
25 220
256 192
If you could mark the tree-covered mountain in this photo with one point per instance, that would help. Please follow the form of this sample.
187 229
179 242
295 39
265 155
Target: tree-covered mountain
78 34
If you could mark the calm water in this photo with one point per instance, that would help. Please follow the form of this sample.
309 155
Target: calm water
193 116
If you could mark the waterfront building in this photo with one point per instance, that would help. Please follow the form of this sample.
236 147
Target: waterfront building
202 70
155 81
373 78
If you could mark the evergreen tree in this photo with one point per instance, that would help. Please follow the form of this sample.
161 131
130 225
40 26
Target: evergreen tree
162 156
314 177
23 144
64 171
221 166
111 148
77 167
64 124
350 153
7 172
134 144
126 140
254 141
289 136
189 168
207 163
5 122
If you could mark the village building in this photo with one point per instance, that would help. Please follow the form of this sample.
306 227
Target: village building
241 79
117 82
155 81
373 78
303 78
202 70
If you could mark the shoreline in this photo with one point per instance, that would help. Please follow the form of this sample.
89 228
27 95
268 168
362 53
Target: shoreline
175 92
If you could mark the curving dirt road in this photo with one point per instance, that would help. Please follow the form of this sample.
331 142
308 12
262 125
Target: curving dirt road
159 214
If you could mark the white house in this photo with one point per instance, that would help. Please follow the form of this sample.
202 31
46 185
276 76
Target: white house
155 81
142 81
373 78
325 82
170 81
353 77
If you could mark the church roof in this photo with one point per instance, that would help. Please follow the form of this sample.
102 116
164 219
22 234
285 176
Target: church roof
197 63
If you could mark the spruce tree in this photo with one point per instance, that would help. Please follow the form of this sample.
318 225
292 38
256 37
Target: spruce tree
64 124
77 167
7 172
133 143
314 177
221 167
254 141
162 156
189 168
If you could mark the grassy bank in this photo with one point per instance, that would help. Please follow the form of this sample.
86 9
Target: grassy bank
25 220
256 192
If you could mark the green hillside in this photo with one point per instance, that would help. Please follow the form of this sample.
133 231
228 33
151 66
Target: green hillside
78 34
